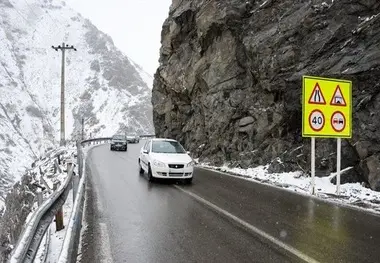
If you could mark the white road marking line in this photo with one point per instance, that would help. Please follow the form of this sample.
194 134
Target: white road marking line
105 249
252 228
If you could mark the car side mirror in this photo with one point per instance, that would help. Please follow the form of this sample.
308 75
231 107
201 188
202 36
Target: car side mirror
188 152
145 152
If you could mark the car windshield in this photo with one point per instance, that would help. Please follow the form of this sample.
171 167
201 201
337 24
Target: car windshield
167 147
118 137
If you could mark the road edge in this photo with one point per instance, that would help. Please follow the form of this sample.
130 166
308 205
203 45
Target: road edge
345 205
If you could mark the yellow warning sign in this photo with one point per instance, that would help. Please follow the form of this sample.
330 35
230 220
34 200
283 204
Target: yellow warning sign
326 107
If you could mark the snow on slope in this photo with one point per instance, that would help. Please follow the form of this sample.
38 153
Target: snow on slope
102 85
148 79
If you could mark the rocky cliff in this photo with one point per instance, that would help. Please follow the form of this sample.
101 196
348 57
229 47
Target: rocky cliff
230 77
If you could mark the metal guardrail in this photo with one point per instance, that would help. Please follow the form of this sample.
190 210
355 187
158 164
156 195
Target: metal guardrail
107 139
69 249
95 140
70 245
30 240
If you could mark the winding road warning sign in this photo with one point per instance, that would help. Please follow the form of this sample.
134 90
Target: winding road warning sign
326 107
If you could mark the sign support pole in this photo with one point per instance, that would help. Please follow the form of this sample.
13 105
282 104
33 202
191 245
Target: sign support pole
338 158
313 165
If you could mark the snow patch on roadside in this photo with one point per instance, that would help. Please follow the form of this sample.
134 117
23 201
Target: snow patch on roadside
350 193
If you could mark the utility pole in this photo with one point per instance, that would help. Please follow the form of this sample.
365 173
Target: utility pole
82 129
63 48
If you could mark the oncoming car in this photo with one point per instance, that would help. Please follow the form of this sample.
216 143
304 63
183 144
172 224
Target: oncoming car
134 138
119 142
166 159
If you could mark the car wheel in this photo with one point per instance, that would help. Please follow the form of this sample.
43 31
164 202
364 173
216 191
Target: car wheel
111 148
188 180
141 170
150 175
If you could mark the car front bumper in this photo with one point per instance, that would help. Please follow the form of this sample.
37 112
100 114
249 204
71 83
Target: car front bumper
118 146
170 173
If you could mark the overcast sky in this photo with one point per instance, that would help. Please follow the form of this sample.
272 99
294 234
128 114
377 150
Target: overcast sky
134 25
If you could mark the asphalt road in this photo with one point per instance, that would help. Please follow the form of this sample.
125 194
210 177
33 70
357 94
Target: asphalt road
218 218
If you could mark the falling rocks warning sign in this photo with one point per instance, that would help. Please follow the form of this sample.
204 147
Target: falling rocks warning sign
326 107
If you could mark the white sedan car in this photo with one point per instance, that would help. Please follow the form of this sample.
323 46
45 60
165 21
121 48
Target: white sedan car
166 159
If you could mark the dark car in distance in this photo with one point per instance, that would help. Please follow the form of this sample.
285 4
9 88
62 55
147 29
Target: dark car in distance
119 142
133 138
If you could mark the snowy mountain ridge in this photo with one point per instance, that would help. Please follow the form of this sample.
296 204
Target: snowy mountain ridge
103 85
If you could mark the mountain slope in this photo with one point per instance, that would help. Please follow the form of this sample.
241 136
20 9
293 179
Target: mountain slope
102 85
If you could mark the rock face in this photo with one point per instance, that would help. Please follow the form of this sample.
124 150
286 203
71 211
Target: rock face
230 77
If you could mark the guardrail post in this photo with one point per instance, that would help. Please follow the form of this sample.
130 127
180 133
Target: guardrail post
59 215
69 164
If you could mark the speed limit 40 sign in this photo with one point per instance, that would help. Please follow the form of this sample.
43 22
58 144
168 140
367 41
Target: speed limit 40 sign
326 108
317 120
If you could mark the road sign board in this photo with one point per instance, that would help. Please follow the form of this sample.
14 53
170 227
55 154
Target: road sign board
321 119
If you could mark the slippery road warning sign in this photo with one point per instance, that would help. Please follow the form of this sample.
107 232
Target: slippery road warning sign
326 108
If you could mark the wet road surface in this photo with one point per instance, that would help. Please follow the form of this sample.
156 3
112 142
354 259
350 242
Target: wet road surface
129 219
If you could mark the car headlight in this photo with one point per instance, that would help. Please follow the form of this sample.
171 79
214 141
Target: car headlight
190 164
158 163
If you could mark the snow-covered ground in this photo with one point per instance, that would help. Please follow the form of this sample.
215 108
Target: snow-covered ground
350 194
46 164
